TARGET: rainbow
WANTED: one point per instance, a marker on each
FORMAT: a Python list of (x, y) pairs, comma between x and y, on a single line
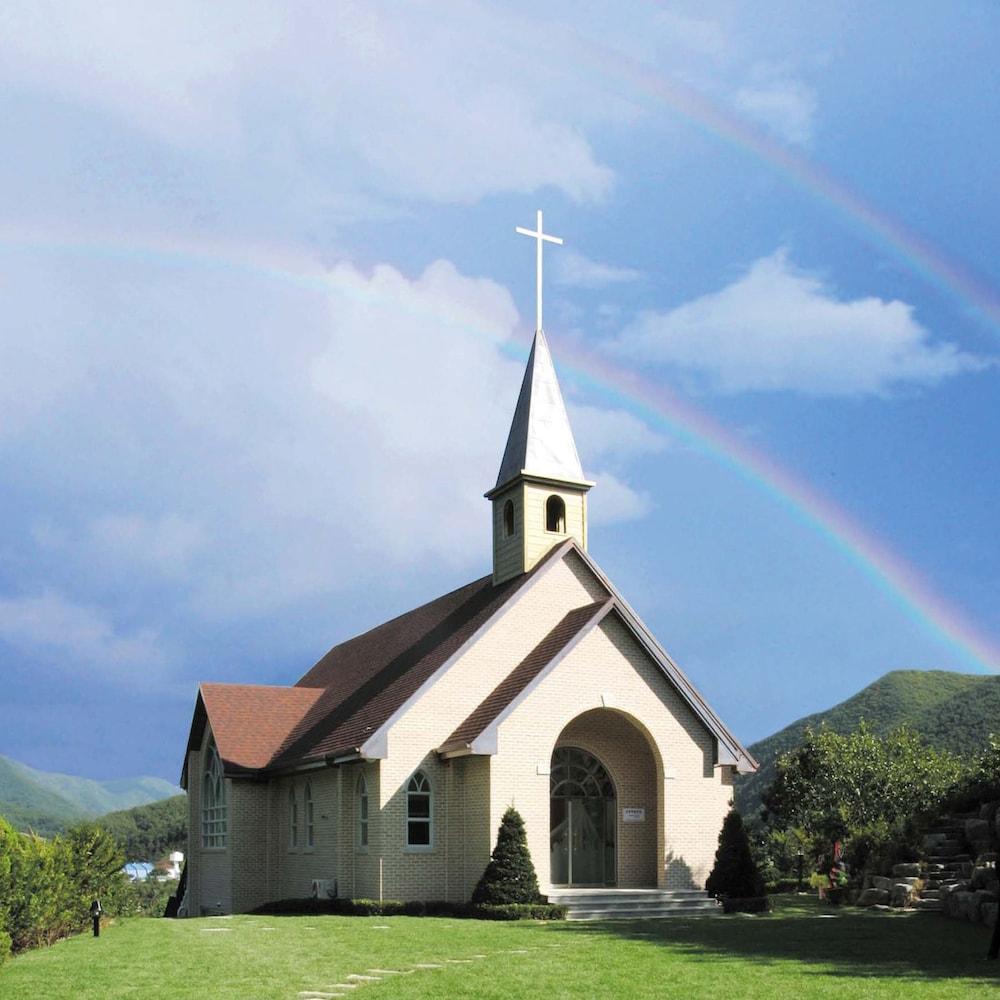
[(712, 118), (901, 582)]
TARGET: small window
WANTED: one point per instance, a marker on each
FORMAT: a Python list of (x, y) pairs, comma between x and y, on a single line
[(508, 519), (362, 810), (555, 514), (213, 800), (418, 811), (310, 817), (293, 818)]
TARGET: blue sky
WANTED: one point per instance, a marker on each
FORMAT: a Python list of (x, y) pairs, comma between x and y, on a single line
[(263, 316)]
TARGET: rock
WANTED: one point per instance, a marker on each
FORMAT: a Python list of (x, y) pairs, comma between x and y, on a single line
[(966, 906), (906, 870), (989, 914), (881, 882), (901, 894), (977, 829), (931, 840), (873, 897)]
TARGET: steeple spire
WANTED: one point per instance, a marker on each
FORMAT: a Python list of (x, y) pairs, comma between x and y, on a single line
[(540, 442)]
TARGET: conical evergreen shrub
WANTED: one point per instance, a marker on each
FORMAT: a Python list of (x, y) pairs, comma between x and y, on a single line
[(510, 875), (735, 874)]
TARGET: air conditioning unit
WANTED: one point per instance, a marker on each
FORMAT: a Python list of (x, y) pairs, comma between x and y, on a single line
[(324, 888)]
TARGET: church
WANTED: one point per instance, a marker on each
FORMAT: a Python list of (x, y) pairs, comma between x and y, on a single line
[(383, 772)]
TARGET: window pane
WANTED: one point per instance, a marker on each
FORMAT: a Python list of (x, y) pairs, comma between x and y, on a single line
[(419, 806), (418, 833)]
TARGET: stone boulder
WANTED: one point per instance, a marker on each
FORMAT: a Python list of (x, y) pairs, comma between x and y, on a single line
[(881, 882), (909, 870), (988, 911), (977, 829), (873, 897), (901, 895)]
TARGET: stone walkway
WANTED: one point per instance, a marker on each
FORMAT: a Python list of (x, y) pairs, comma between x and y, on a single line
[(356, 980)]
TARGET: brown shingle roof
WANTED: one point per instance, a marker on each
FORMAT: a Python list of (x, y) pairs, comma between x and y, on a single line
[(571, 628), (251, 721)]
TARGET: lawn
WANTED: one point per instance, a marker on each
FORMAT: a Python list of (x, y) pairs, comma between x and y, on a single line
[(799, 951)]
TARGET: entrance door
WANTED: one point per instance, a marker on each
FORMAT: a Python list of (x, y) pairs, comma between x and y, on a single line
[(582, 820)]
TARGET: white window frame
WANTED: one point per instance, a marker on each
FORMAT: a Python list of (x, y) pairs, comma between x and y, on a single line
[(309, 817), (414, 779), (362, 808), (214, 812), (293, 819)]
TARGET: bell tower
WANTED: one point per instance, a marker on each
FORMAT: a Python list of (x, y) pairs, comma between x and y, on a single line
[(540, 497)]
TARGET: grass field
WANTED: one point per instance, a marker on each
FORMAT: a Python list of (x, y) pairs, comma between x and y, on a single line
[(799, 951)]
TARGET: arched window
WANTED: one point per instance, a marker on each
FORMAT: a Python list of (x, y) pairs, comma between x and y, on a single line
[(293, 818), (508, 519), (555, 514), (310, 817), (362, 813), (418, 812), (213, 800)]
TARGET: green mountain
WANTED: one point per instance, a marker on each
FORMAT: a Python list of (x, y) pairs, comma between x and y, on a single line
[(46, 802), (951, 711), (152, 831)]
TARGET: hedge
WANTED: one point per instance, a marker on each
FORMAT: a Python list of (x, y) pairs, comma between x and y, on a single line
[(47, 886)]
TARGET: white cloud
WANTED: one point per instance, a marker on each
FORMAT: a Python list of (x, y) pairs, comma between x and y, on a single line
[(73, 635), (385, 98), (616, 501), (778, 328), (243, 444), (575, 270), (784, 105)]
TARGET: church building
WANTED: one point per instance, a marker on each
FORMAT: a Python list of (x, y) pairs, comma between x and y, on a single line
[(383, 772)]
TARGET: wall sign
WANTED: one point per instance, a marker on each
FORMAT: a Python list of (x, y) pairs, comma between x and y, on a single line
[(631, 814)]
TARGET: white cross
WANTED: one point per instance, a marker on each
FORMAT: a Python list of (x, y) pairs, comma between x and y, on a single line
[(540, 237)]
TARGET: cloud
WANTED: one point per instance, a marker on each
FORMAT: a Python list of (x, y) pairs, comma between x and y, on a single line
[(240, 444), (784, 105), (611, 435), (780, 328), (377, 98), (616, 501), (72, 635), (575, 270)]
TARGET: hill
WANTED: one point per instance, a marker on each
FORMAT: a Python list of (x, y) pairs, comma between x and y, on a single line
[(152, 831), (47, 802), (951, 711)]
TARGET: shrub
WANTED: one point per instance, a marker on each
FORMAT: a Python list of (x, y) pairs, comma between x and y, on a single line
[(510, 875), (735, 874), (518, 911), (413, 908)]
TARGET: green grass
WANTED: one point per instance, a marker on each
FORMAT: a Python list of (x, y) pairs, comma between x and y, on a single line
[(799, 951)]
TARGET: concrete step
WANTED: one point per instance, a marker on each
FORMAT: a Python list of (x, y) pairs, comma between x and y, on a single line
[(650, 911)]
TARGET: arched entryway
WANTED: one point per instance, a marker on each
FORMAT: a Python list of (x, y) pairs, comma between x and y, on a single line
[(582, 819), (605, 809)]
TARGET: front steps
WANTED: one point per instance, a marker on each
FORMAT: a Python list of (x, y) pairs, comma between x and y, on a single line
[(633, 904)]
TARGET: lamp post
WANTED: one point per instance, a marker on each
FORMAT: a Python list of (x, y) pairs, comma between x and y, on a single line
[(800, 856), (95, 915)]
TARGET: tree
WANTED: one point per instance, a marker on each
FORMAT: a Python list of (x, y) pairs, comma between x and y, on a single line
[(510, 875), (735, 873), (834, 786)]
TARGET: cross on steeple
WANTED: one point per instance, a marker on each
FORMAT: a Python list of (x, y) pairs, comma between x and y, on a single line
[(539, 237)]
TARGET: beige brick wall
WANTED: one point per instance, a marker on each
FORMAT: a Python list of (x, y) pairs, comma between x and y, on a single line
[(609, 669), (209, 869)]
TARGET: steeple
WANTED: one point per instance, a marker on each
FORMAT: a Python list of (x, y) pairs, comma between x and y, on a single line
[(540, 496), (540, 441)]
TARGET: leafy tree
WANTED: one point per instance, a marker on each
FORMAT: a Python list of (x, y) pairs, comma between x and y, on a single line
[(149, 832), (834, 785), (735, 872), (510, 876)]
